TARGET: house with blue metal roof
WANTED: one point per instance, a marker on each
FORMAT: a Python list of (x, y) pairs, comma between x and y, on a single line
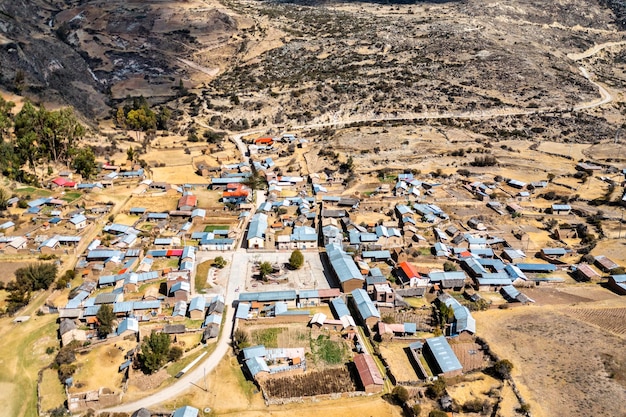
[(303, 237), (365, 308), (243, 311), (127, 326), (180, 309), (344, 268), (452, 279), (186, 411), (441, 358), (256, 231), (463, 320), (536, 268), (197, 307), (561, 209)]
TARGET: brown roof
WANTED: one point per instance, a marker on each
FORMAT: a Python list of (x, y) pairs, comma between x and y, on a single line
[(188, 200), (331, 292), (367, 369)]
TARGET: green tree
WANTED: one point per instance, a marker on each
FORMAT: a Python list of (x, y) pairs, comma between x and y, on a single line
[(36, 277), (437, 388), (417, 410), (265, 269), (254, 181), (4, 199), (154, 351), (175, 354), (219, 262), (85, 162), (296, 260), (6, 118), (105, 317), (449, 266), (401, 394), (130, 154)]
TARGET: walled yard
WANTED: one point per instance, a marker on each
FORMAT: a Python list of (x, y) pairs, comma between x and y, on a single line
[(469, 353), (397, 356), (327, 381)]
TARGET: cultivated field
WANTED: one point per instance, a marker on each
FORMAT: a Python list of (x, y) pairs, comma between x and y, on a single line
[(327, 381), (609, 319)]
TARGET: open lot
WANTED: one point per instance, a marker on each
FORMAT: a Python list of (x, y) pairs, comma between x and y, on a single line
[(311, 275), (562, 365), (396, 355), (99, 367)]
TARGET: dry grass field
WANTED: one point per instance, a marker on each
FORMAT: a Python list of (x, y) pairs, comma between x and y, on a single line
[(563, 366), (395, 353), (99, 367), (51, 390), (9, 268)]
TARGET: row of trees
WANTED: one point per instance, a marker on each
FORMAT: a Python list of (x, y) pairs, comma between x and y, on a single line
[(27, 280), (35, 137)]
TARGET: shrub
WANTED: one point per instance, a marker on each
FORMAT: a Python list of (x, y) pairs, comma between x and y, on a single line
[(175, 354), (401, 394), (503, 368), (296, 260), (449, 266)]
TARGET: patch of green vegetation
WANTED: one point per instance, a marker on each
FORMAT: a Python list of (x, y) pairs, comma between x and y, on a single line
[(328, 350), (425, 365), (266, 337), (424, 251), (212, 227), (71, 196), (33, 192), (202, 273)]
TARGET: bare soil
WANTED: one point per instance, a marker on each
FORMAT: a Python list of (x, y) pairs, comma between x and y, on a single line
[(557, 371)]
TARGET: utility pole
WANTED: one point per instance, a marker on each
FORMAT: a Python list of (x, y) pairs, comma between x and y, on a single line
[(619, 235)]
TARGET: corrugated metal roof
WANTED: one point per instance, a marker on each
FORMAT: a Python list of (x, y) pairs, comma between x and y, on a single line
[(537, 267), (342, 264), (243, 309), (339, 308), (197, 303), (444, 357), (364, 304)]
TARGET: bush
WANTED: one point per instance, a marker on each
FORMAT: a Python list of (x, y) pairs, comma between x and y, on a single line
[(296, 260), (175, 354), (417, 410), (219, 262), (400, 394), (503, 368), (449, 266), (437, 388), (437, 413)]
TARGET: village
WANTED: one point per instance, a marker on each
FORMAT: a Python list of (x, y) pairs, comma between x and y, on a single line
[(381, 302)]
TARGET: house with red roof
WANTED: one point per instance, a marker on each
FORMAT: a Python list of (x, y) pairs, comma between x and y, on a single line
[(187, 202), (264, 141), (407, 274), (63, 182)]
